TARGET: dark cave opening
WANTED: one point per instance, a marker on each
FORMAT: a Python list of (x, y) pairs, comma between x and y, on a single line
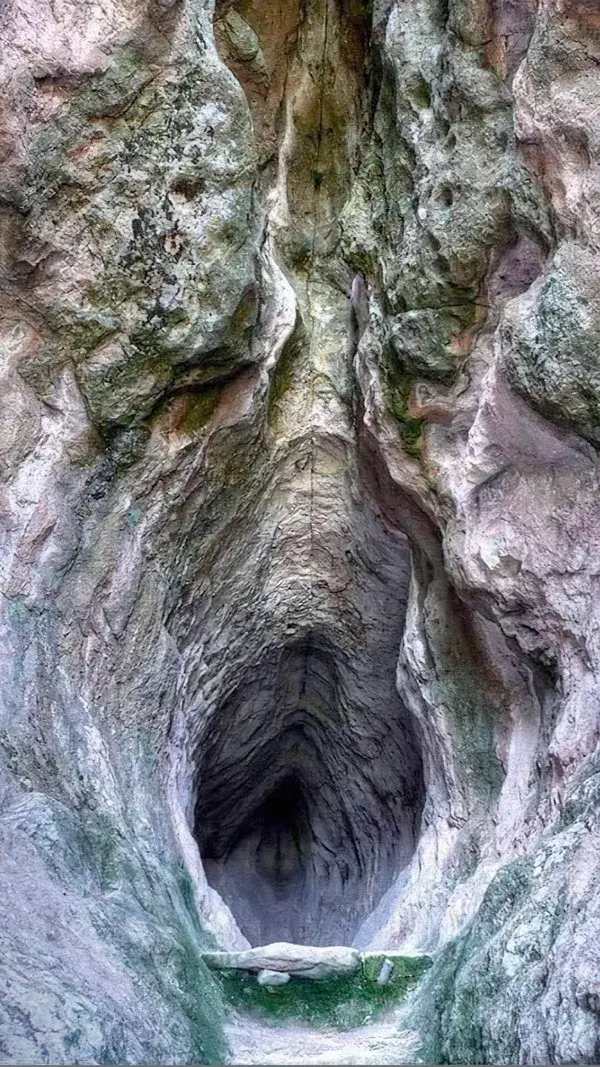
[(282, 825), (277, 835), (310, 791)]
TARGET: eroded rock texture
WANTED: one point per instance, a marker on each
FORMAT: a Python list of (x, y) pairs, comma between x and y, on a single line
[(300, 411)]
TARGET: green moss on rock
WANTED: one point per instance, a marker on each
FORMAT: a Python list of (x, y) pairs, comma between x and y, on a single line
[(201, 407), (397, 386), (468, 980), (473, 713), (343, 1002)]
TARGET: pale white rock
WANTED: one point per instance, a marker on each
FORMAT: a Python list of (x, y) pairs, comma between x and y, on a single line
[(299, 961), (386, 969), (272, 978)]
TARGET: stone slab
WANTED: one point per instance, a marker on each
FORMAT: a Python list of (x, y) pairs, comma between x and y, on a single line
[(300, 961)]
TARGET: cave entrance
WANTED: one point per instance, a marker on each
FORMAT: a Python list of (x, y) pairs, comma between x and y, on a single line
[(262, 869), (309, 782), (310, 790)]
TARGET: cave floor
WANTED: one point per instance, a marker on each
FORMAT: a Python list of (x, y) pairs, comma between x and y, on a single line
[(381, 1042), (343, 1015)]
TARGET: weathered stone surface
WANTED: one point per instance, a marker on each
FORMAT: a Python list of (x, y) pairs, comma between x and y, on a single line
[(272, 978), (551, 341), (299, 515), (302, 961)]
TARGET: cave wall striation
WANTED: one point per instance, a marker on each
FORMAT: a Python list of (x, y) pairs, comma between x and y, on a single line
[(299, 513)]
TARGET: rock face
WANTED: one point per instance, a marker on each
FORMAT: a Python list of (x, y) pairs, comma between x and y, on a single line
[(300, 529)]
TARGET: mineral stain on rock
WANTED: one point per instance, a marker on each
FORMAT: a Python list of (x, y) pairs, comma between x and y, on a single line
[(300, 531)]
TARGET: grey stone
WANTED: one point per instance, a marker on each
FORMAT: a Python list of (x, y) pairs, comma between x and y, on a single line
[(385, 973), (272, 978), (301, 961)]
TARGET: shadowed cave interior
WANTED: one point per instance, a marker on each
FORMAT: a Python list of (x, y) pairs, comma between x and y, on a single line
[(310, 795)]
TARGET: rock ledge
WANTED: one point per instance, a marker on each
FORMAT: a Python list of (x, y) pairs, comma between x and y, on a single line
[(301, 961), (304, 961)]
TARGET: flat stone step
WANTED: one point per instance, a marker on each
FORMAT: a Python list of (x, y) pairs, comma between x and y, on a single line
[(317, 962), (300, 961)]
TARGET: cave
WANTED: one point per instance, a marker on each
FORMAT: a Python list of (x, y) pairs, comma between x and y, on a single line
[(310, 794)]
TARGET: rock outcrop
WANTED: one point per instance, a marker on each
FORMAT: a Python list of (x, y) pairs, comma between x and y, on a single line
[(300, 531)]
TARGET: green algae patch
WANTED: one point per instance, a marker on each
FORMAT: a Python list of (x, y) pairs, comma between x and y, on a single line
[(468, 980), (342, 1002), (397, 385)]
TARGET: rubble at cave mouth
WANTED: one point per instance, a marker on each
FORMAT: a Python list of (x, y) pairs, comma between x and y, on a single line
[(309, 798)]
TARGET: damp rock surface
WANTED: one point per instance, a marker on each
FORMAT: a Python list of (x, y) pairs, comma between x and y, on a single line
[(299, 522)]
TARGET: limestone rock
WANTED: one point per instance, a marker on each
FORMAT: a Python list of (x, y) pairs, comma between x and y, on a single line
[(551, 340), (299, 513), (272, 978), (301, 961)]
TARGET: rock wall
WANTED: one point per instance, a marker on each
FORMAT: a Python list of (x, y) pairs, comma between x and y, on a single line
[(299, 494)]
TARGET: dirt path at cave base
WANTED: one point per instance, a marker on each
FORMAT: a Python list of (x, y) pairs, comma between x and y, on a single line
[(382, 1042)]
